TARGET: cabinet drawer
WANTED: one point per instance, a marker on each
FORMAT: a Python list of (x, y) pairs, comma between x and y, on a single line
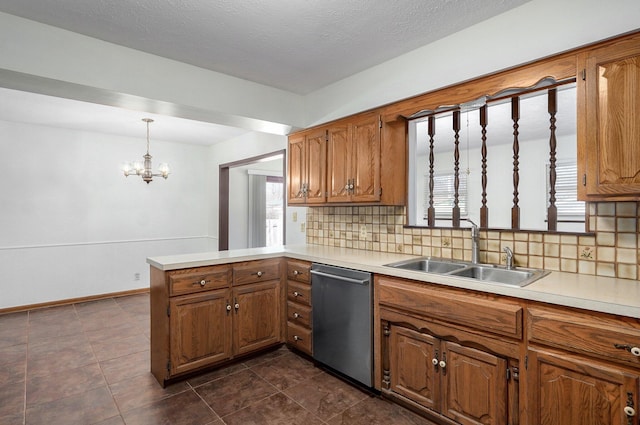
[(299, 314), (595, 335), (299, 270), (474, 311), (299, 337), (256, 271), (189, 281), (299, 293)]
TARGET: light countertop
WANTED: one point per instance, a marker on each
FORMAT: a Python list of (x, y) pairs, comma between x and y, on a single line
[(603, 294)]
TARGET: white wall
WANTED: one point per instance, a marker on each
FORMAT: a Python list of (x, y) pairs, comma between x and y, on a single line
[(72, 225)]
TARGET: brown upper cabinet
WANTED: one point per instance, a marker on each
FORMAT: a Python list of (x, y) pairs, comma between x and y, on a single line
[(307, 167), (609, 121), (342, 162), (354, 160)]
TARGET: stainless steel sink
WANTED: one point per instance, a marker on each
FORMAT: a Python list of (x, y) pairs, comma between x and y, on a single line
[(428, 265), (478, 272), (516, 277)]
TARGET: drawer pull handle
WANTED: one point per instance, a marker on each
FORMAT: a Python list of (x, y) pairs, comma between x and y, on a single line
[(259, 274), (296, 272), (297, 338), (296, 315), (202, 282), (629, 411), (296, 294), (633, 350)]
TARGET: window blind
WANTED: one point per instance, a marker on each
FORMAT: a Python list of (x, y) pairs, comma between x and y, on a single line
[(443, 191), (566, 190)]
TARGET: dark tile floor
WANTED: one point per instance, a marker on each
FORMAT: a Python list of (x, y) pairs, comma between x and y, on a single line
[(88, 363)]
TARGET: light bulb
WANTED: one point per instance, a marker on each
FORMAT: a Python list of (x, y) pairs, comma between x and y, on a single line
[(164, 169), (126, 168)]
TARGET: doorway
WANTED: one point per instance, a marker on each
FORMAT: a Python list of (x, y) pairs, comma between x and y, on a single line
[(250, 189)]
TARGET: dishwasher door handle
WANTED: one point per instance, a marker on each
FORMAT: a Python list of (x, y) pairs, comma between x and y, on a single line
[(342, 278)]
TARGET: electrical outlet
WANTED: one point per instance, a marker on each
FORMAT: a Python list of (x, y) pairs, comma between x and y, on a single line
[(136, 276), (295, 217), (363, 232), (303, 227)]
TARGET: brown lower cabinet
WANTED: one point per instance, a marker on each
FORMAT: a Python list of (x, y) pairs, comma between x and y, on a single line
[(567, 389), (581, 367), (204, 316), (457, 356), (462, 383), (442, 352), (465, 357)]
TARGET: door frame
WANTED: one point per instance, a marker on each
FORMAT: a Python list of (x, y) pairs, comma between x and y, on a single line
[(223, 194)]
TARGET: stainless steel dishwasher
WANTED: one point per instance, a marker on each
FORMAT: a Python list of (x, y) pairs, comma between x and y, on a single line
[(342, 321)]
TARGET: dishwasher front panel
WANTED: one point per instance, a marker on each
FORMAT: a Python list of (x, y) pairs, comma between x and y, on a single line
[(342, 321)]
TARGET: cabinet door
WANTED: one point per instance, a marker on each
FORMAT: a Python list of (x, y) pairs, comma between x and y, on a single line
[(566, 389), (257, 320), (297, 169), (200, 329), (613, 120), (339, 164), (316, 167), (365, 135), (474, 386), (413, 374)]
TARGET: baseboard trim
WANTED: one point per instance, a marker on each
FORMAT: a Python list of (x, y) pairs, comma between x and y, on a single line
[(73, 301)]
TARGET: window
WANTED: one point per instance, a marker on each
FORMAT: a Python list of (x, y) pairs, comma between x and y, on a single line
[(443, 190), (569, 208), (500, 147)]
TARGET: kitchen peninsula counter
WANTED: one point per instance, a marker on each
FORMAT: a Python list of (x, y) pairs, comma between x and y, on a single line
[(597, 293)]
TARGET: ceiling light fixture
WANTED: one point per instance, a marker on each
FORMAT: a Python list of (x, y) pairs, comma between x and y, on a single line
[(143, 169)]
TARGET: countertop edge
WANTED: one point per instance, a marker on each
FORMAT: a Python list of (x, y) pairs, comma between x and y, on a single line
[(548, 290)]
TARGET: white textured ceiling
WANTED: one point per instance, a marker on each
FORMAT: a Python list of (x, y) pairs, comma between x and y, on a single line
[(295, 45)]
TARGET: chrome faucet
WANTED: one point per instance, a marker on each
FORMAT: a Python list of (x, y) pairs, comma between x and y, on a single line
[(474, 242), (509, 253)]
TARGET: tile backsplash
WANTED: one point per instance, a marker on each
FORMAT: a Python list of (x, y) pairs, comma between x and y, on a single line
[(611, 248)]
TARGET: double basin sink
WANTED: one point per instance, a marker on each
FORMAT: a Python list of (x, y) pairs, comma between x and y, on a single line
[(479, 272)]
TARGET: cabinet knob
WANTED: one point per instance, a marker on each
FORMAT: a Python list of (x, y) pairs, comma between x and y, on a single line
[(633, 350), (259, 274), (443, 364), (296, 272), (228, 307), (296, 315), (434, 361), (296, 294), (346, 186), (203, 282), (297, 338), (237, 306), (629, 411)]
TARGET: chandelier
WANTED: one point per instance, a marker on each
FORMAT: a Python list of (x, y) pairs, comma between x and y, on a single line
[(143, 168)]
